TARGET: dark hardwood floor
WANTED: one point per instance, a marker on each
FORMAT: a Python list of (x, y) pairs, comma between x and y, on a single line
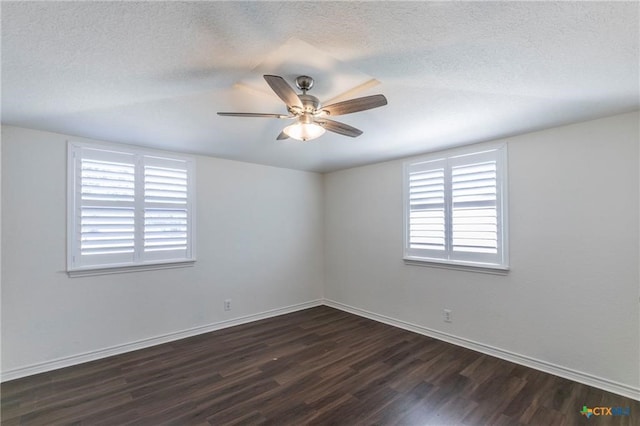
[(319, 366)]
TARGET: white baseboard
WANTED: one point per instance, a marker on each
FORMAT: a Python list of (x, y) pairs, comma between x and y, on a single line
[(547, 367), (145, 343)]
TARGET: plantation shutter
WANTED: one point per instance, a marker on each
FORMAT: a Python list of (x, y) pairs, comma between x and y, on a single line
[(128, 208), (475, 214), (455, 209), (167, 209), (105, 213), (427, 209)]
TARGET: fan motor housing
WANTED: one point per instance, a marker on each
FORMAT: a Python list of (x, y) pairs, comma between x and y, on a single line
[(310, 103)]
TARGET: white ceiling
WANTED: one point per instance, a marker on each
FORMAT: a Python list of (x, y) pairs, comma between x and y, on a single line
[(156, 73)]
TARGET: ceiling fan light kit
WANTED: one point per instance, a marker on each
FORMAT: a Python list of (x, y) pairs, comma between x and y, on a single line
[(304, 130), (310, 115)]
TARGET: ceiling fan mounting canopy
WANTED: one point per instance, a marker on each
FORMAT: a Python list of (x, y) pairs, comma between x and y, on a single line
[(304, 82), (310, 115)]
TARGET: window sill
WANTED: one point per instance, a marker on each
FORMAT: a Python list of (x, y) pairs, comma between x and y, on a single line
[(458, 266), (88, 272)]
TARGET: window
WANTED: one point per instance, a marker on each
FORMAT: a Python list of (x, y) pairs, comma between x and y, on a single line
[(128, 207), (456, 209)]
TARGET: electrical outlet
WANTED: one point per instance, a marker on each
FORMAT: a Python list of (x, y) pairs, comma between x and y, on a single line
[(446, 315), (227, 304)]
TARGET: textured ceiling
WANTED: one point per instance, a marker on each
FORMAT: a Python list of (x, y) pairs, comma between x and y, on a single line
[(155, 73)]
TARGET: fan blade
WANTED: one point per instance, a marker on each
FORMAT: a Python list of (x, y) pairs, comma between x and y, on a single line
[(355, 105), (282, 136), (340, 128), (351, 93), (251, 114), (283, 90)]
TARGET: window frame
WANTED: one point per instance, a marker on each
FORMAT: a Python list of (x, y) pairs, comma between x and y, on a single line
[(139, 261), (448, 159)]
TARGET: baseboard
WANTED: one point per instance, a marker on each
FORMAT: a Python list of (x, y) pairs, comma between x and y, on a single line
[(547, 367), (145, 343)]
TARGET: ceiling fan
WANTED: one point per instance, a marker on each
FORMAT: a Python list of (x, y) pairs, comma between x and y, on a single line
[(311, 117)]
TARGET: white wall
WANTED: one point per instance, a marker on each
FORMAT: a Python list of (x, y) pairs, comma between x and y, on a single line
[(259, 243), (571, 298), (0, 250)]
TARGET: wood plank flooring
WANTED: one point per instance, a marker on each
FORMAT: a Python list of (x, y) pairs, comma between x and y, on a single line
[(319, 366)]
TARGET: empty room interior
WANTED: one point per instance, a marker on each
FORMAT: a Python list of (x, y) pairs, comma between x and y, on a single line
[(323, 213)]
